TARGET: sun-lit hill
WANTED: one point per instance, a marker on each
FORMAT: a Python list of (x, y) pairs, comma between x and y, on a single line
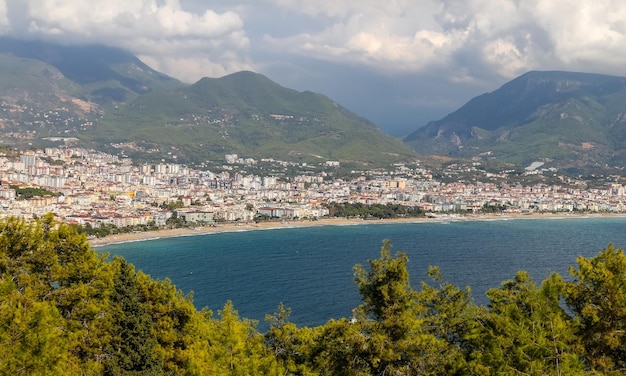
[(110, 100), (248, 114), (48, 89), (572, 120)]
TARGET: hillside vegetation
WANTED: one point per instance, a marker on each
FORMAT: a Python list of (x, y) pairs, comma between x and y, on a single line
[(64, 310), (51, 90), (245, 113), (103, 75), (107, 99), (566, 119)]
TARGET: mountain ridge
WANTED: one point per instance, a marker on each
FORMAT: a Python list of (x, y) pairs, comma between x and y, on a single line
[(568, 119), (109, 100), (247, 113), (90, 64)]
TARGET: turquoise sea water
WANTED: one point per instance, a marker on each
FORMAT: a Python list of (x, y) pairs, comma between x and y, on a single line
[(310, 269)]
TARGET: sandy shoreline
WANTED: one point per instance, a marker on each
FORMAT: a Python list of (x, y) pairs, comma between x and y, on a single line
[(233, 227)]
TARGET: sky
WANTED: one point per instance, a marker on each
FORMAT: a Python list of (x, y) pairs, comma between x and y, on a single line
[(399, 63)]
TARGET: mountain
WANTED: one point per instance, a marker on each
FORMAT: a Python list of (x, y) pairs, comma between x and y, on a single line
[(48, 89), (110, 100), (106, 75), (247, 114), (564, 119)]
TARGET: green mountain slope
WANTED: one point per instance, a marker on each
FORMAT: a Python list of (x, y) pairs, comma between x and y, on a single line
[(244, 113), (566, 119), (109, 99), (53, 90), (106, 75), (37, 100)]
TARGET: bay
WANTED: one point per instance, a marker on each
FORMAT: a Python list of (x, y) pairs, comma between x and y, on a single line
[(310, 269)]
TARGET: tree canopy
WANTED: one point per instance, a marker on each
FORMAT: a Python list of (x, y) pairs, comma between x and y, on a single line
[(65, 310)]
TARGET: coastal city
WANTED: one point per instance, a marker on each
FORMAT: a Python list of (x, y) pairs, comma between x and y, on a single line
[(95, 189)]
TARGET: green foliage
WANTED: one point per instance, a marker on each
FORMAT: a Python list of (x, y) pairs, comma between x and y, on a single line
[(451, 316), (172, 205), (106, 229), (496, 208), (247, 114), (132, 327), (241, 349), (290, 345), (32, 341), (388, 334), (386, 312), (597, 295), (385, 287), (377, 211), (571, 119), (64, 310), (27, 193), (527, 332), (439, 330)]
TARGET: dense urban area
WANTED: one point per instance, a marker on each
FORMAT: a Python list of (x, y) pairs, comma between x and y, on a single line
[(95, 189)]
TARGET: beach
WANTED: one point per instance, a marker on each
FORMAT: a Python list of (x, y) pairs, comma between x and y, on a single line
[(232, 227)]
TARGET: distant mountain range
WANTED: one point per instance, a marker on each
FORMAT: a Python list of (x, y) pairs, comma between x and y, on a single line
[(248, 114), (110, 100), (568, 120), (100, 74)]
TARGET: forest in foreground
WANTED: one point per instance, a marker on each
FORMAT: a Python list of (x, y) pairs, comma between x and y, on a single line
[(65, 310)]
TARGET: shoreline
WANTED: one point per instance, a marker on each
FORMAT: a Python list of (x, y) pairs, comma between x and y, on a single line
[(238, 227), (252, 226)]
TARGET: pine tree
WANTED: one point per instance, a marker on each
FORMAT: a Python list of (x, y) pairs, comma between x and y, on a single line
[(527, 331), (133, 342), (32, 340), (597, 296)]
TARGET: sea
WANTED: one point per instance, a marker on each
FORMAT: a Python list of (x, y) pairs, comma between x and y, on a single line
[(310, 269)]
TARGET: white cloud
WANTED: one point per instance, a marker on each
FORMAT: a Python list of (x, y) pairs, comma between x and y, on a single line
[(345, 8), (161, 31), (187, 68), (131, 18), (460, 40), (506, 57), (393, 36), (586, 31), (470, 36), (4, 16), (516, 36), (399, 37)]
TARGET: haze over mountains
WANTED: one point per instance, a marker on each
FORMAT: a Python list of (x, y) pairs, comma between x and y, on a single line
[(101, 74)]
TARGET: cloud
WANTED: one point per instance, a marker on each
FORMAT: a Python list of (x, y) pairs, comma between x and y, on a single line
[(344, 8), (187, 68), (459, 39), (4, 16), (397, 38), (100, 20), (439, 49), (161, 32), (507, 37), (589, 31)]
